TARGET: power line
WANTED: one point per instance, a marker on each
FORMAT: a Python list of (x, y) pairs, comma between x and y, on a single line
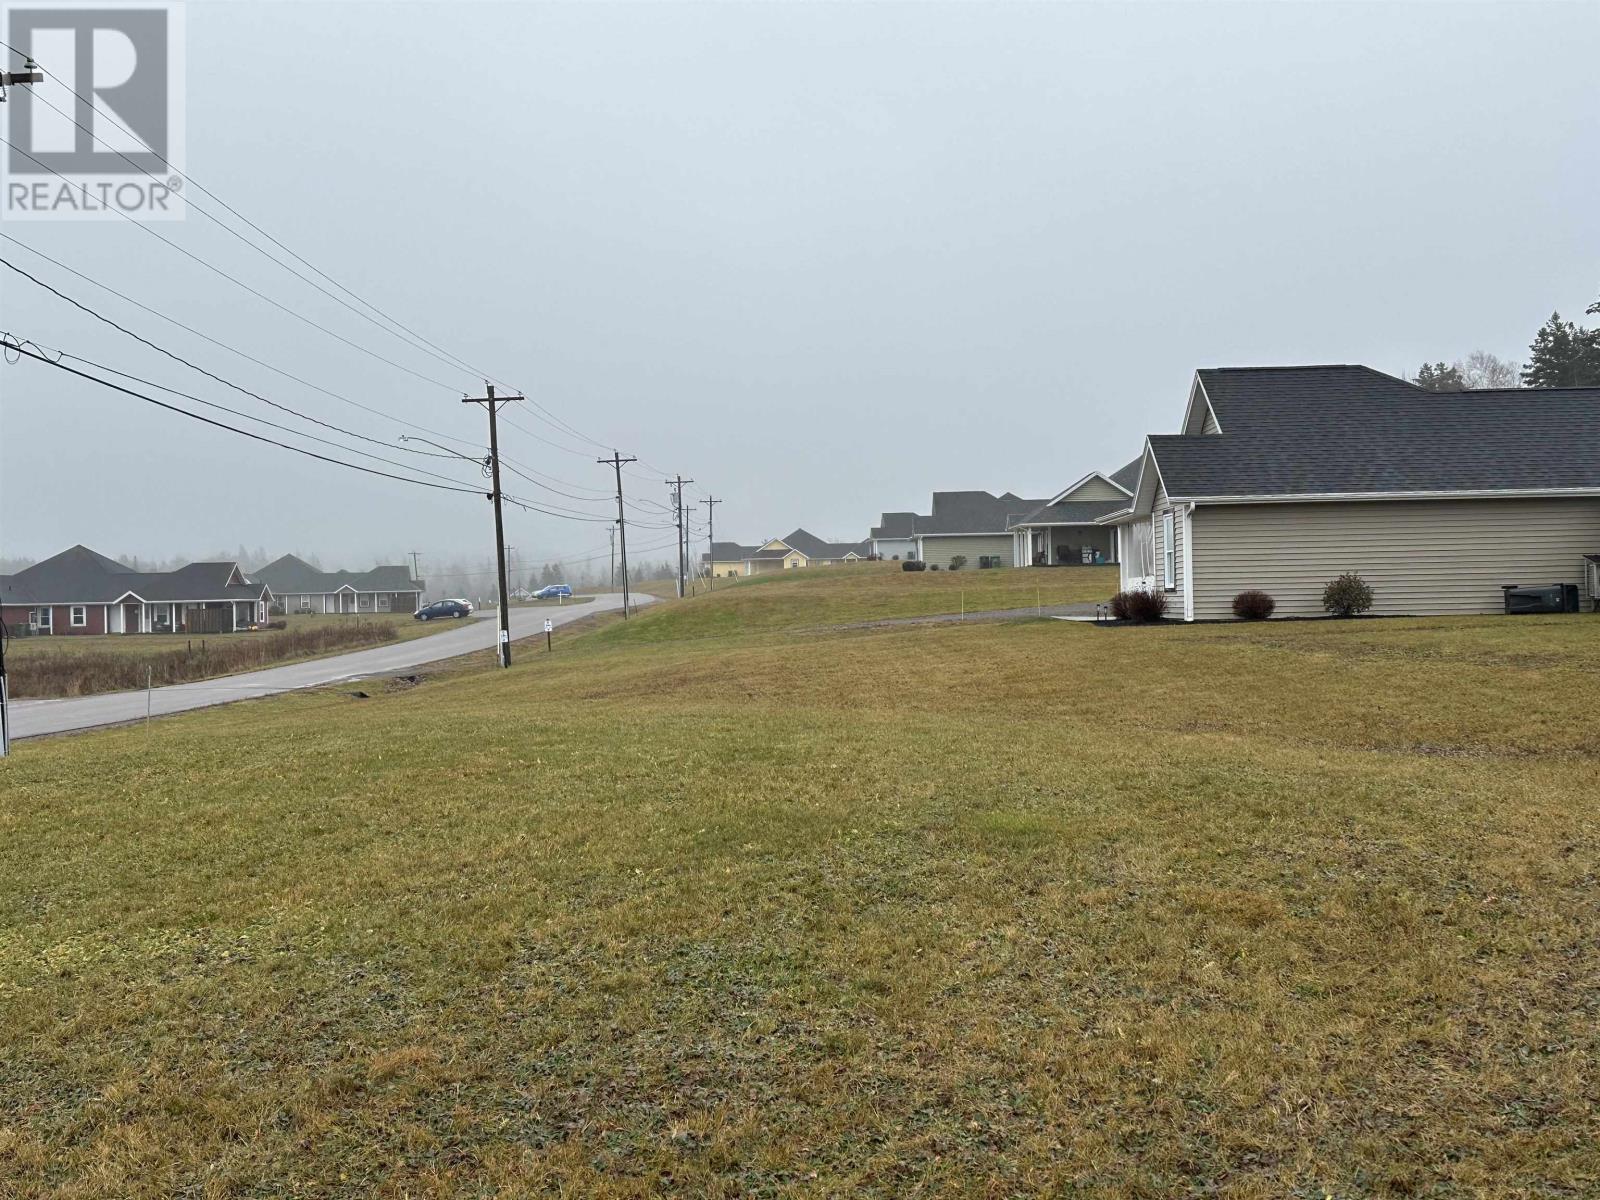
[(106, 383), (146, 227), (219, 344)]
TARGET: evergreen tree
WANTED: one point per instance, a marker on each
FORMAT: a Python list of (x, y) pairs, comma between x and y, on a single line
[(1563, 354), (1440, 377)]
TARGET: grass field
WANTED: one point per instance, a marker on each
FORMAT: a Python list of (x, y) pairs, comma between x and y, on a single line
[(822, 596), (1284, 910), (83, 665)]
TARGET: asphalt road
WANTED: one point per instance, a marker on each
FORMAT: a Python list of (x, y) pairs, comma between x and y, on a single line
[(34, 718)]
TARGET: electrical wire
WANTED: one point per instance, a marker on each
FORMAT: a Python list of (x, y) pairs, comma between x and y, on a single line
[(116, 387)]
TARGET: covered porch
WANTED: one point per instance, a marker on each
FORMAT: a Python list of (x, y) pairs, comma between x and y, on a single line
[(131, 614), (1066, 545)]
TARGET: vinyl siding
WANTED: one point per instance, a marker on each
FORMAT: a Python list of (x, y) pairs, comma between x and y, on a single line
[(1158, 541), (938, 551), (1095, 489), (1210, 424), (1421, 557)]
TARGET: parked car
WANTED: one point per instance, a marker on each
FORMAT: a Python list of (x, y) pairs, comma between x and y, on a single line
[(466, 604), (442, 608), (551, 590)]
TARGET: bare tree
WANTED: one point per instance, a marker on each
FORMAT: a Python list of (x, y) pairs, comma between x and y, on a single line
[(1484, 370)]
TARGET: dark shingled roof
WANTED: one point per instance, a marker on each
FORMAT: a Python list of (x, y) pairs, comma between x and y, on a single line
[(81, 576), (896, 525), (289, 576), (975, 512), (1073, 512), (1128, 476), (1354, 430)]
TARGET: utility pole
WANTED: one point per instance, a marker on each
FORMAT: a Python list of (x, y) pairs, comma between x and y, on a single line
[(493, 404), (615, 461), (677, 494), (711, 503), (613, 576), (416, 569)]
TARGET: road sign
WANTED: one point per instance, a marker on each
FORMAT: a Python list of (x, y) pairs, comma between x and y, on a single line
[(548, 624)]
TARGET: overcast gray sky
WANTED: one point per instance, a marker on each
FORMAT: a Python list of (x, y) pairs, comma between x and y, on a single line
[(823, 258)]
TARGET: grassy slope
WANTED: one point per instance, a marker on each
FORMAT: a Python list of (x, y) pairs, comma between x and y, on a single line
[(820, 596), (1259, 911)]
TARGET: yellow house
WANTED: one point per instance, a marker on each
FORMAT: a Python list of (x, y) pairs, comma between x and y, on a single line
[(799, 549)]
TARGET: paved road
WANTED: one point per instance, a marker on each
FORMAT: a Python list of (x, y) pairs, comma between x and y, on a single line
[(33, 718)]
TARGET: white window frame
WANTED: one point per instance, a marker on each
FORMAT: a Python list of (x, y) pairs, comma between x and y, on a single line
[(1169, 552), (78, 616), (46, 619)]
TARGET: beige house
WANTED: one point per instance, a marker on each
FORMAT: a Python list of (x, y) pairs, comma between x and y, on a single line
[(1283, 478), (799, 549)]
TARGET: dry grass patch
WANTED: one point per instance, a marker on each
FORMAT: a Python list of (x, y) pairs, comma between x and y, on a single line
[(994, 910)]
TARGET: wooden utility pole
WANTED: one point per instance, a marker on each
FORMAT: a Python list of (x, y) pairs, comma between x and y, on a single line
[(711, 503), (677, 495), (613, 575), (615, 461), (493, 403)]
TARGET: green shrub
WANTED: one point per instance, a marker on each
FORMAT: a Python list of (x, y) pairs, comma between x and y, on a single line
[(957, 561), (1347, 596)]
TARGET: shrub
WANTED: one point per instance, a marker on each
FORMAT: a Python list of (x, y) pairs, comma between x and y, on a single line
[(957, 561), (1347, 596), (933, 567), (1253, 605), (912, 564), (1139, 605)]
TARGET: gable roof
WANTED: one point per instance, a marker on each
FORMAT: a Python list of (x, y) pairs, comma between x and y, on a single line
[(1332, 431), (80, 575), (896, 525), (975, 512), (1127, 477), (1073, 512), (289, 575)]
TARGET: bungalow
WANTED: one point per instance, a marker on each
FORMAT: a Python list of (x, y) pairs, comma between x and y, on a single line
[(798, 549), (301, 588), (977, 526), (81, 592), (1063, 531), (1282, 478), (895, 536)]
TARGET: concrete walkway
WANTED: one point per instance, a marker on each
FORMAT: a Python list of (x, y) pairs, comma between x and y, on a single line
[(34, 718), (1069, 612)]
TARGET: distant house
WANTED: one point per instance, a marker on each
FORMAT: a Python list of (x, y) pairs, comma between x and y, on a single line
[(795, 550), (81, 592), (977, 526), (1282, 478), (1064, 532), (895, 536), (301, 588)]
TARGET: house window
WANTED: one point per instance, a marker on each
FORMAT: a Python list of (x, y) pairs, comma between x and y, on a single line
[(44, 619), (988, 561), (80, 616), (1169, 552)]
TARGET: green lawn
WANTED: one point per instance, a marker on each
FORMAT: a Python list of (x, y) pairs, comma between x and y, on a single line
[(821, 596), (1284, 910)]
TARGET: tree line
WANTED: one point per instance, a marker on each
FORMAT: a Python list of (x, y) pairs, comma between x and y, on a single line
[(1563, 354)]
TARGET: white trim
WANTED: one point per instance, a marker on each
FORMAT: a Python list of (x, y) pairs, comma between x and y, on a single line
[(73, 610), (1342, 497), (1091, 475), (1189, 429), (1188, 563), (1169, 552)]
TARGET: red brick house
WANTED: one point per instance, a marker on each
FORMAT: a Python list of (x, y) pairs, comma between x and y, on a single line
[(81, 592)]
